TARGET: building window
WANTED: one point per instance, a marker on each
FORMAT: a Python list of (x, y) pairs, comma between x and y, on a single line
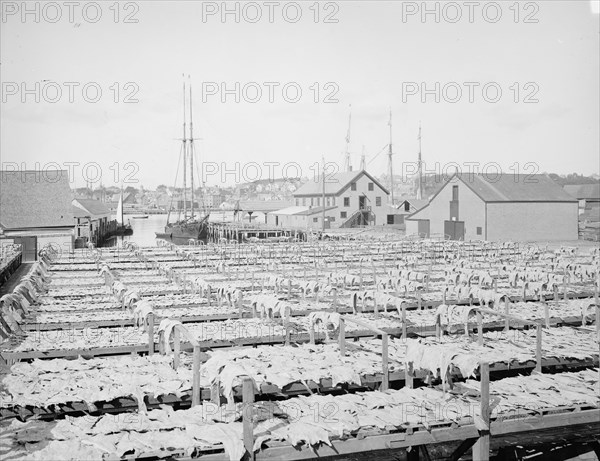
[(297, 202), (455, 193), (370, 186), (304, 201), (333, 201), (479, 230), (318, 201), (353, 186), (390, 219), (346, 201), (328, 201), (406, 206), (377, 201), (315, 219), (312, 201), (343, 214)]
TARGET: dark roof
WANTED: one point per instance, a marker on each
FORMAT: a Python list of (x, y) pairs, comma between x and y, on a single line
[(416, 203), (334, 183), (93, 207), (584, 191), (515, 188), (314, 210), (509, 188), (35, 199)]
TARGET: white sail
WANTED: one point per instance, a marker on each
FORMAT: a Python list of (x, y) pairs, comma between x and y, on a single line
[(120, 220)]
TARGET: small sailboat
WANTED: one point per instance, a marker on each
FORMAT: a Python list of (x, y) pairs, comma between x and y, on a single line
[(191, 225), (122, 228), (143, 216)]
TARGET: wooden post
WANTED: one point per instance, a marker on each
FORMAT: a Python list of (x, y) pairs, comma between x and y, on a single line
[(547, 315), (404, 336), (409, 376), (196, 376), (419, 302), (507, 312), (565, 284), (289, 289), (480, 328), (538, 349), (176, 347), (150, 333), (384, 357), (311, 332), (555, 293), (342, 337), (247, 416), (481, 448)]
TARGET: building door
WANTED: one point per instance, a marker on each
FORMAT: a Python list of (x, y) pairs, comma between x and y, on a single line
[(29, 245), (361, 202), (423, 228), (455, 230)]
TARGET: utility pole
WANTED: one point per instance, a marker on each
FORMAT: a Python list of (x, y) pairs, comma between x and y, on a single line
[(390, 163)]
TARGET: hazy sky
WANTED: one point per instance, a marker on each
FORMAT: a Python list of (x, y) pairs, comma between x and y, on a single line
[(376, 56)]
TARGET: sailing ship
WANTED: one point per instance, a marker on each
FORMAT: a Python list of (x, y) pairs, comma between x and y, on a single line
[(122, 228), (194, 222)]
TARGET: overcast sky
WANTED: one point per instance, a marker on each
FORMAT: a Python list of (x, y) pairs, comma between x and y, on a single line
[(376, 56)]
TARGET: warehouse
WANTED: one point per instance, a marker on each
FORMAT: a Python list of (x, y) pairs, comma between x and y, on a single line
[(35, 210), (361, 199), (499, 207)]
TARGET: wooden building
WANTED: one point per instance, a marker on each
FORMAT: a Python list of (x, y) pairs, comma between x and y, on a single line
[(36, 210), (498, 207), (360, 199), (92, 218)]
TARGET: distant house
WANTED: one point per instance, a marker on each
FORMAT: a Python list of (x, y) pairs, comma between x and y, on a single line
[(498, 207), (36, 210), (91, 219), (359, 198), (397, 214)]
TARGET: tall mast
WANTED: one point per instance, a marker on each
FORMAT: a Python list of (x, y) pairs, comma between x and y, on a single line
[(184, 160), (191, 152), (347, 163), (323, 196), (420, 166), (363, 165), (390, 162)]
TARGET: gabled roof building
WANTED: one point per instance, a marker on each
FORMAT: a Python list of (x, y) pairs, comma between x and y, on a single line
[(498, 207), (35, 210)]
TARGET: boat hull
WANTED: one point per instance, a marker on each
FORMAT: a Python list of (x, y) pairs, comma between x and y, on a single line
[(181, 233)]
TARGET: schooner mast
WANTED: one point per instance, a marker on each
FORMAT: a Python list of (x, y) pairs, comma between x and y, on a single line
[(420, 169), (390, 164), (184, 139), (191, 153), (347, 162)]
